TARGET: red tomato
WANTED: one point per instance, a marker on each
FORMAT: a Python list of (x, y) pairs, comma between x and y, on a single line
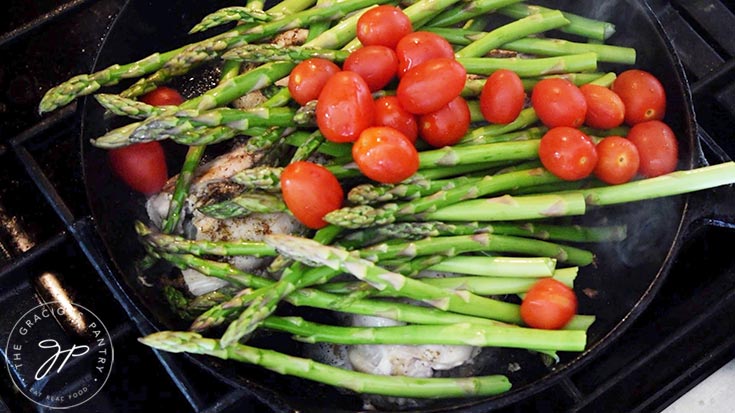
[(617, 160), (389, 112), (558, 102), (162, 96), (310, 192), (549, 304), (142, 166), (383, 25), (643, 95), (418, 47), (605, 109), (657, 147), (308, 78), (376, 64), (447, 125), (568, 153), (345, 107), (502, 97), (385, 155), (431, 85)]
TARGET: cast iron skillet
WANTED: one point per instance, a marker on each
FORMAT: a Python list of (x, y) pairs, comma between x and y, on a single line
[(627, 276)]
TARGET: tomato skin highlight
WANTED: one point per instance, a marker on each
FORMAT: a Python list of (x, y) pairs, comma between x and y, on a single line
[(142, 166), (384, 26), (643, 95), (307, 79), (558, 102), (549, 305), (310, 191), (345, 107), (617, 160), (605, 109), (429, 86), (376, 64), (389, 112), (163, 96), (418, 47), (385, 155), (501, 99), (657, 147), (568, 153), (447, 125)]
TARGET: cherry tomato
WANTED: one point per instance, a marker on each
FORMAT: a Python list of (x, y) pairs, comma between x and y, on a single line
[(162, 96), (310, 192), (549, 304), (643, 95), (617, 160), (383, 25), (502, 97), (385, 155), (657, 147), (605, 109), (389, 112), (308, 78), (568, 153), (142, 166), (418, 47), (345, 107), (447, 125), (376, 64), (558, 102), (431, 85)]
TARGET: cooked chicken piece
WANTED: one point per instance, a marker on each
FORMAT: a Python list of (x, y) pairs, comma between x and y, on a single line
[(211, 183)]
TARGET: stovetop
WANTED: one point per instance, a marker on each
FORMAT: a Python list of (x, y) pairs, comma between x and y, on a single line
[(47, 231)]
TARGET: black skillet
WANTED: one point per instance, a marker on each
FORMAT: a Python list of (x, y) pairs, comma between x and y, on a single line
[(626, 278)]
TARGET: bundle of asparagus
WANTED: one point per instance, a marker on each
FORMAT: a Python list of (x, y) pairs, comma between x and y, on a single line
[(461, 213)]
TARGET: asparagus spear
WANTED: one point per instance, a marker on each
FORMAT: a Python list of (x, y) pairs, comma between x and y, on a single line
[(364, 215), (454, 245), (582, 62), (231, 14), (534, 23), (459, 334), (313, 253), (467, 11), (261, 53), (579, 25), (129, 107), (376, 193), (399, 386)]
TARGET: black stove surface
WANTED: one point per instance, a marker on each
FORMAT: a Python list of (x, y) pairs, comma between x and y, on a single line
[(46, 231)]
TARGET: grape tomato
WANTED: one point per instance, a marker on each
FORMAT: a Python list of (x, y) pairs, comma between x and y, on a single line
[(605, 109), (657, 147), (502, 97), (389, 112), (163, 96), (418, 47), (142, 166), (376, 64), (549, 304), (568, 153), (643, 95), (310, 191), (308, 78), (447, 125), (431, 85), (558, 102), (385, 155), (384, 26), (345, 107), (617, 160)]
